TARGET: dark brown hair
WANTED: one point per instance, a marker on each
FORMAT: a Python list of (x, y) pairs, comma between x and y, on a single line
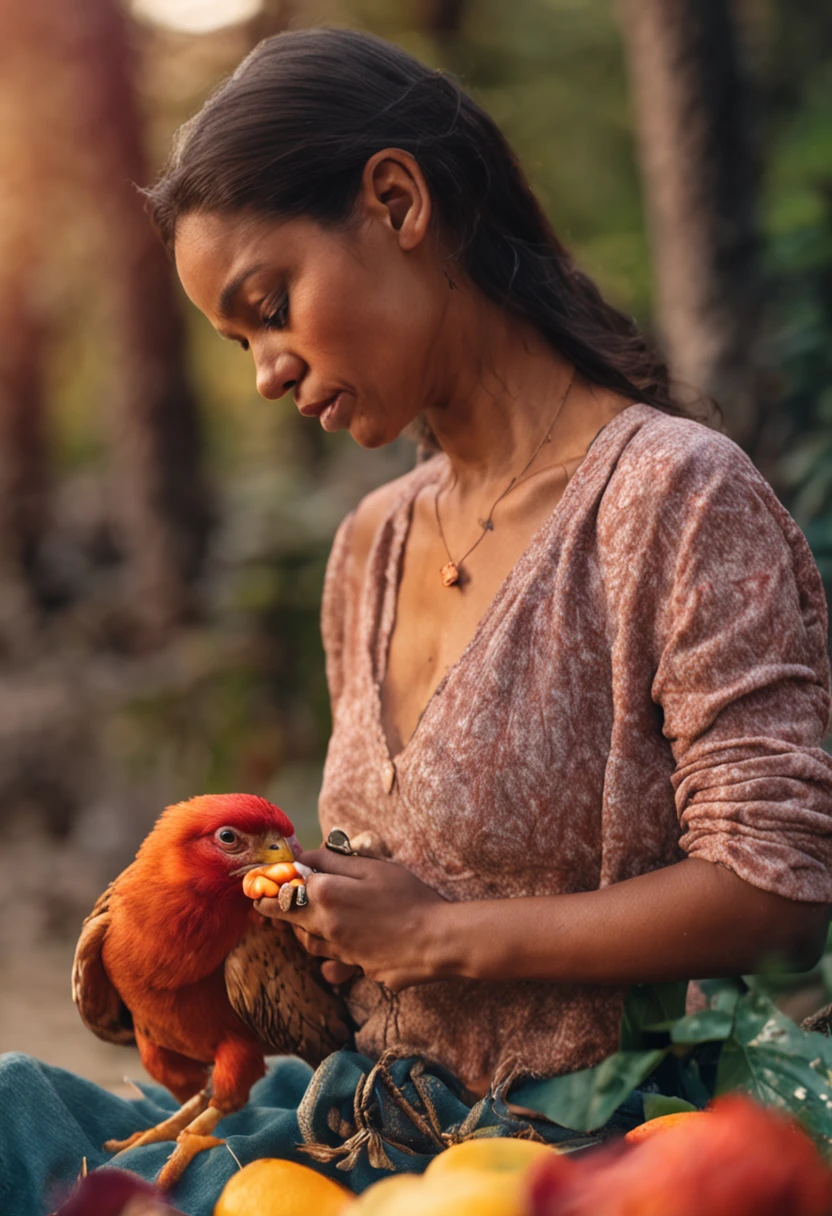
[(289, 134)]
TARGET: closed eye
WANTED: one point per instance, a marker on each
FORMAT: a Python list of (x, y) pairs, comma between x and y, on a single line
[(279, 318)]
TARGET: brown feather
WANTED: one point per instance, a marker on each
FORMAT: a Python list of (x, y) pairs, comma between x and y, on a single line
[(275, 987), (99, 1004)]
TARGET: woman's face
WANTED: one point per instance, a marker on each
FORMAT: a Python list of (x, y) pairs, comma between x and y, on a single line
[(349, 320)]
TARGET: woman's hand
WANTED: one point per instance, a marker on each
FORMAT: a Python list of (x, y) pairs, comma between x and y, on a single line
[(367, 914)]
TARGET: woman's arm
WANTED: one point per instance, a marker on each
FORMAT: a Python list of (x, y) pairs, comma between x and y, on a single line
[(690, 920)]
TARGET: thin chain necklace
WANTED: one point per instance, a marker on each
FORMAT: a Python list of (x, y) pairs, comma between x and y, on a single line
[(451, 571)]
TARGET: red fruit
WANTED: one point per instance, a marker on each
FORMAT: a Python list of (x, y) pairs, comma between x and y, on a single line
[(110, 1192), (741, 1161)]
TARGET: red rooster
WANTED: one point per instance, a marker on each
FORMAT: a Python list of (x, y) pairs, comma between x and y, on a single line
[(174, 956)]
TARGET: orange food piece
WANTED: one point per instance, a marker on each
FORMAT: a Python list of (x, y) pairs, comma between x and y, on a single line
[(655, 1127), (266, 881), (256, 885), (280, 872)]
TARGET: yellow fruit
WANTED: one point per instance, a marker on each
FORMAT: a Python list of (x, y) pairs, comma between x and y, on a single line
[(655, 1127), (468, 1193), (381, 1197), (492, 1154), (271, 1187)]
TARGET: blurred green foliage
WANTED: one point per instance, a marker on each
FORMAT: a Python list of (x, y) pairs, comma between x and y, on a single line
[(795, 95)]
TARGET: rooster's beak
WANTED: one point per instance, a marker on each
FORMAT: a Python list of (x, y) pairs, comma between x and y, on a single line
[(273, 851)]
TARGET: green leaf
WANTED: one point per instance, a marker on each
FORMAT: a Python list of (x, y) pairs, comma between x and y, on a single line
[(656, 1105), (707, 1026), (723, 994), (650, 1009), (825, 968), (585, 1100), (773, 1060)]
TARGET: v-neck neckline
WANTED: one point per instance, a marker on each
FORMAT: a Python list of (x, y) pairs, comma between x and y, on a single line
[(400, 518)]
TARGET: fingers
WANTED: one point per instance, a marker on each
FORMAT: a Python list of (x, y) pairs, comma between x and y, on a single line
[(310, 922), (327, 862), (307, 913), (370, 844)]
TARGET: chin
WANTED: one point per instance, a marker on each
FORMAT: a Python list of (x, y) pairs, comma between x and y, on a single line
[(372, 435)]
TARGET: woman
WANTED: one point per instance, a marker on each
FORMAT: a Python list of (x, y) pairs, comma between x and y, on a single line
[(577, 657)]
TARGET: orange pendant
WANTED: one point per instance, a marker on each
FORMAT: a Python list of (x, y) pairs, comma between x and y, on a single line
[(450, 574)]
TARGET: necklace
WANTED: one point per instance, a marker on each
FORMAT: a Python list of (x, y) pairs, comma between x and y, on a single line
[(451, 571)]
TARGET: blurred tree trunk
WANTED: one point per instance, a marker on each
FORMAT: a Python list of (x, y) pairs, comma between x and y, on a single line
[(23, 459), (24, 155), (700, 182), (23, 447), (160, 498), (442, 17)]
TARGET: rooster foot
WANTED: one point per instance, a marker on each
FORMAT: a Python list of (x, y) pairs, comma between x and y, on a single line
[(193, 1139), (169, 1129)]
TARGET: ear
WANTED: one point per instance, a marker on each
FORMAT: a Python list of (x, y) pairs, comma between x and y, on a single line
[(395, 192)]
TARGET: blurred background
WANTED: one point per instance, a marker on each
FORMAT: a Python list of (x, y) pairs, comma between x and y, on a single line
[(163, 530)]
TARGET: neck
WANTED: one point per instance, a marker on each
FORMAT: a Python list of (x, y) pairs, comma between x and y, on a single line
[(195, 929), (502, 388)]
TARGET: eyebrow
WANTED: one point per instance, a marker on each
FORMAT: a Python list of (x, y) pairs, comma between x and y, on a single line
[(225, 306)]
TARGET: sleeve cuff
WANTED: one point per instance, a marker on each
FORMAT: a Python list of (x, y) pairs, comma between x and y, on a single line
[(763, 808)]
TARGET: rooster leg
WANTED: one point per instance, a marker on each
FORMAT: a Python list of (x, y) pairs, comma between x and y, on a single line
[(193, 1139), (238, 1063), (167, 1130)]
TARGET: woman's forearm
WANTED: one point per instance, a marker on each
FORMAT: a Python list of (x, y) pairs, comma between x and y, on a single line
[(693, 919)]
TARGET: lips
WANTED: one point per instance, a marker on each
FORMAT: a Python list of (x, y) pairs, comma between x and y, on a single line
[(316, 408)]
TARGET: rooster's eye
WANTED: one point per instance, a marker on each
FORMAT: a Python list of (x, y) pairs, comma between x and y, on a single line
[(227, 837)]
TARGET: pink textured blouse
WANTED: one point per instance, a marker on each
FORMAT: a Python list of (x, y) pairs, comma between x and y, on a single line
[(650, 681)]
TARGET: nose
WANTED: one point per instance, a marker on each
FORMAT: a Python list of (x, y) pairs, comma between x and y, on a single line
[(276, 374)]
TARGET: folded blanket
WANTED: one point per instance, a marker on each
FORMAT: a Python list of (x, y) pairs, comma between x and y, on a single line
[(353, 1119)]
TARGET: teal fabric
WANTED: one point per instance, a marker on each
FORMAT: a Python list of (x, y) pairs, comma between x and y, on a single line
[(50, 1120)]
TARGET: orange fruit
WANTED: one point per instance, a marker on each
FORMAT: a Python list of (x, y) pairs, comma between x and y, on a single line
[(655, 1127), (271, 1187), (492, 1154)]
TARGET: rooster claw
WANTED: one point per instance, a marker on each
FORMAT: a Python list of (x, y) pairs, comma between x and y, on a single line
[(118, 1146), (188, 1146)]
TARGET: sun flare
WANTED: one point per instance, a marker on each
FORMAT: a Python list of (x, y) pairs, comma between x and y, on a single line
[(196, 16)]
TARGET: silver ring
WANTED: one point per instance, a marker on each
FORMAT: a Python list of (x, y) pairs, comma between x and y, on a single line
[(302, 897), (339, 842)]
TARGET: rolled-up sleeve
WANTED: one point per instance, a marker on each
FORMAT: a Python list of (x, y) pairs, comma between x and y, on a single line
[(742, 677)]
